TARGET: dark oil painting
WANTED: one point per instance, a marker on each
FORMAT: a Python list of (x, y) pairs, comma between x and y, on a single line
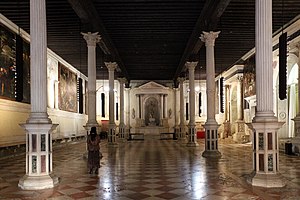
[(26, 72), (249, 77), (67, 89), (7, 63)]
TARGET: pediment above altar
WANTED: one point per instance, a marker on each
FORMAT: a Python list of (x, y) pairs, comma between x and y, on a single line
[(152, 87)]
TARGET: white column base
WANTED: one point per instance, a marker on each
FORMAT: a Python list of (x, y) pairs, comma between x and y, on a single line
[(296, 140), (122, 132), (296, 145), (211, 140), (38, 182), (266, 180), (112, 138), (192, 137), (192, 144), (239, 135), (181, 134), (211, 154)]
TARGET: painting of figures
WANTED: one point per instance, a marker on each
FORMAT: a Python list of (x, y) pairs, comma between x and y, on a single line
[(7, 63), (67, 89), (26, 72), (249, 78)]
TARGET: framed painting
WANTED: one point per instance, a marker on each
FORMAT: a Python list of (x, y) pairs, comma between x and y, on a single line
[(67, 95), (7, 63)]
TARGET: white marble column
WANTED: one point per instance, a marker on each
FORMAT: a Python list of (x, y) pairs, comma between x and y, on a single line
[(38, 126), (264, 125), (181, 135), (128, 110), (211, 125), (112, 140), (91, 39), (176, 126), (227, 126), (296, 140), (239, 135), (192, 137), (122, 124)]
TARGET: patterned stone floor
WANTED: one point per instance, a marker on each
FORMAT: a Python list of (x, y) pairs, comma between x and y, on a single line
[(152, 169)]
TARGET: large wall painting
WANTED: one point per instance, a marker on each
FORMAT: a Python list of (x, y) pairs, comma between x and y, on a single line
[(67, 89), (7, 63), (249, 77), (26, 72)]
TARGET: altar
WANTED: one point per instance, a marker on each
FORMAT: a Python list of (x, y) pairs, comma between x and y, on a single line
[(152, 112), (150, 130)]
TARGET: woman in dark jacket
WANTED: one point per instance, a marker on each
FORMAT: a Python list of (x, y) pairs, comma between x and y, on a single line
[(93, 142)]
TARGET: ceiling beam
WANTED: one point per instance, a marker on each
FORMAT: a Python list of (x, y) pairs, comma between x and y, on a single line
[(88, 14), (207, 21)]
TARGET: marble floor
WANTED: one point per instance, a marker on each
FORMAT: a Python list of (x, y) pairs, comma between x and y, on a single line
[(152, 169)]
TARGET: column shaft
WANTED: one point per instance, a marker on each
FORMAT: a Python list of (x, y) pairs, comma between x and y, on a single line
[(182, 124), (263, 43), (192, 138), (239, 100), (122, 124), (111, 66)]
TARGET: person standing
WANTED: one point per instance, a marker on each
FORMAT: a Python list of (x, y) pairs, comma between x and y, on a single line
[(93, 142)]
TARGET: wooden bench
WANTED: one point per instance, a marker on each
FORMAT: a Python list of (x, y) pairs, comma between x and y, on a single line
[(136, 136), (165, 136)]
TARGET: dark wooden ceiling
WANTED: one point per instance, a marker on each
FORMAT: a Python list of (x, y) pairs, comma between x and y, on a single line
[(151, 39)]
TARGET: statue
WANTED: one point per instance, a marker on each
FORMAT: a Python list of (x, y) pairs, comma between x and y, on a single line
[(151, 120)]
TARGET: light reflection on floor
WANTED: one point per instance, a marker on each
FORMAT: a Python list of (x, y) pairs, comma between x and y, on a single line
[(152, 169)]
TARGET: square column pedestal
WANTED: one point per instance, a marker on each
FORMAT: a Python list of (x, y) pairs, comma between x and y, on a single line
[(211, 141), (112, 139), (296, 140), (265, 155), (192, 137), (38, 157), (239, 135)]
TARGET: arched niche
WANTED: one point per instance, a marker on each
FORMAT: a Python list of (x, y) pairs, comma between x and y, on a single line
[(152, 112)]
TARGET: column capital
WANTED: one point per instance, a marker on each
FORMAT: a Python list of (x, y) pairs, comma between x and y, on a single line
[(122, 80), (111, 66), (191, 65), (91, 38), (181, 79), (209, 37)]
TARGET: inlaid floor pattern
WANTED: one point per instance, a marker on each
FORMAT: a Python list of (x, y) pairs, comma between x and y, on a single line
[(152, 169)]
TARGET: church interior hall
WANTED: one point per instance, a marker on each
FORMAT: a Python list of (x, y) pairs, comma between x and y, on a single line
[(193, 99)]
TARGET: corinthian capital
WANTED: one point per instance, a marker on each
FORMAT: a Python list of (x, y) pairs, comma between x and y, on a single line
[(91, 38), (180, 79), (209, 37), (111, 66), (191, 65), (122, 80)]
